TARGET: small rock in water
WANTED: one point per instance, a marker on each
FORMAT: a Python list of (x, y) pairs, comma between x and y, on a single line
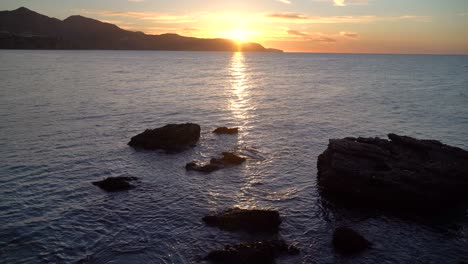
[(229, 158), (172, 137), (348, 241), (262, 252), (206, 168), (115, 184), (215, 164), (225, 130), (250, 220)]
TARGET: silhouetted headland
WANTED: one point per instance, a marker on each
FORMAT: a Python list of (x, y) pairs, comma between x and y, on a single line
[(26, 29)]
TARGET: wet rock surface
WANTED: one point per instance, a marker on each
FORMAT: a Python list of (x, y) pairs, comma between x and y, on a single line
[(262, 252), (347, 241), (172, 137), (225, 130), (115, 184), (402, 173), (206, 168), (250, 220), (228, 159)]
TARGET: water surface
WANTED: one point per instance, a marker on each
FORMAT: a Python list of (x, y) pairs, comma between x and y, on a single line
[(66, 117)]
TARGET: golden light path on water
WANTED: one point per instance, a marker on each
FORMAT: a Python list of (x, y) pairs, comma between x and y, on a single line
[(240, 86), (242, 108)]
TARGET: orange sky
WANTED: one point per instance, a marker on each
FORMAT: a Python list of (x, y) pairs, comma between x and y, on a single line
[(349, 26)]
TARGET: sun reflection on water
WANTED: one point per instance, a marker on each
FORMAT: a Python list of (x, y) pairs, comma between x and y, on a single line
[(239, 102), (242, 108)]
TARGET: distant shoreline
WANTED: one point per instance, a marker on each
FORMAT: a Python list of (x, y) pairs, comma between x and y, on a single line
[(285, 52)]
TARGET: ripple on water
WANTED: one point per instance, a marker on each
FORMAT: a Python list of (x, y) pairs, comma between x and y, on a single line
[(73, 127)]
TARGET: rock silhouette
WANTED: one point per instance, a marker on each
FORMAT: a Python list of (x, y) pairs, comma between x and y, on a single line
[(225, 130), (229, 159), (215, 164), (262, 252), (348, 241), (206, 168), (404, 173), (250, 220), (115, 184), (172, 137)]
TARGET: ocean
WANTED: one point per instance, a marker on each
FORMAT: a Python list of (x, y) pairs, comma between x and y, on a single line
[(66, 118)]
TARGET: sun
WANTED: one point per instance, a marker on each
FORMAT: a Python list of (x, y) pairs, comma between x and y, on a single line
[(239, 35)]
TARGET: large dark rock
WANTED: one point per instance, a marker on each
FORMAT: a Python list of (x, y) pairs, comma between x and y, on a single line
[(403, 173), (250, 220), (172, 137), (225, 130), (215, 164), (347, 241), (115, 184), (262, 252)]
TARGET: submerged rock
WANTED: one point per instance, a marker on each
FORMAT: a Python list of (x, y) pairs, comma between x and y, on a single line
[(115, 184), (225, 130), (229, 158), (215, 164), (348, 241), (206, 168), (403, 173), (262, 252), (250, 220), (172, 137)]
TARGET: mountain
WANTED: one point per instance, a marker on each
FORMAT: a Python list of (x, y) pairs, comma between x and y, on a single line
[(26, 29)]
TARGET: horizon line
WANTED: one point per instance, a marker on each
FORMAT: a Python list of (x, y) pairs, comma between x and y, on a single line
[(260, 52)]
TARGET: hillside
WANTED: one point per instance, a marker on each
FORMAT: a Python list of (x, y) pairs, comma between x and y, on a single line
[(26, 29)]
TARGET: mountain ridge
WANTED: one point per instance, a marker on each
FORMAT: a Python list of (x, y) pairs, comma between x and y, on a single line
[(26, 29)]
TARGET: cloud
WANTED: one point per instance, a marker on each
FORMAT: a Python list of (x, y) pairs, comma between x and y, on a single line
[(155, 30), (349, 34), (190, 29), (350, 2), (316, 37), (339, 2), (297, 33), (296, 18), (136, 1), (324, 39), (304, 19), (284, 1), (120, 13), (321, 37), (153, 16), (287, 16)]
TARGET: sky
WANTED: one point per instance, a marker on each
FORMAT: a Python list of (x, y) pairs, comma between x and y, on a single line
[(338, 26)]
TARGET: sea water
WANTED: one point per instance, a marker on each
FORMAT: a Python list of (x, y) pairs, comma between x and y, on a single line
[(66, 118)]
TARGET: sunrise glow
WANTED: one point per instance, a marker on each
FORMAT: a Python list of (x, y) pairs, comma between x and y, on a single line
[(239, 35), (338, 26)]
